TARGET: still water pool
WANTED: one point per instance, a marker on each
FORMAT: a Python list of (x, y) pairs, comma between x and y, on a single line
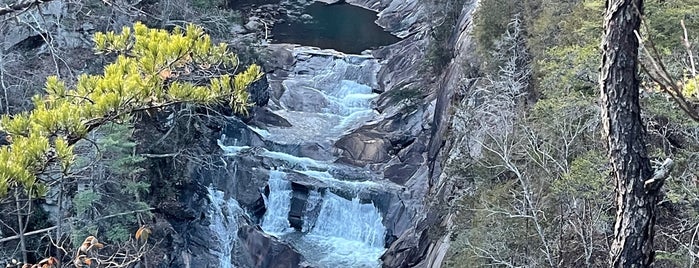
[(341, 26)]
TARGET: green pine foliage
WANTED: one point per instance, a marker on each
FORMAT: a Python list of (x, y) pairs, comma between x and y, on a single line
[(115, 202), (153, 68)]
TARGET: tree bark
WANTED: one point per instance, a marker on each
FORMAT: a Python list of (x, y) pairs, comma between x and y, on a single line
[(20, 227), (635, 200)]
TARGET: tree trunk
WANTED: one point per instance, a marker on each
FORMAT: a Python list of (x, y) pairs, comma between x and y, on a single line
[(20, 227), (635, 200)]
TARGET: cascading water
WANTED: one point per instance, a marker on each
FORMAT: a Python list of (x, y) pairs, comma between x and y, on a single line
[(224, 225), (276, 219), (350, 220), (345, 233), (328, 96), (314, 199), (349, 233)]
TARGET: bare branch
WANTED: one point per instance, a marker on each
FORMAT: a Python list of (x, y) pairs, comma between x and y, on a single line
[(20, 5)]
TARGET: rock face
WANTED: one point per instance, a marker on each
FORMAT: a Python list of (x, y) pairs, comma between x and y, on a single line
[(263, 251)]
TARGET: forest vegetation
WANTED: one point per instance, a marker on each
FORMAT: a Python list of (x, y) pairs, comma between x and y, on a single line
[(539, 190)]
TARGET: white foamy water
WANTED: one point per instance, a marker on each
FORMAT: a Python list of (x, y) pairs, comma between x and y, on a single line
[(224, 225), (346, 233), (353, 186), (303, 162), (276, 219), (313, 201), (322, 101), (347, 106), (350, 220)]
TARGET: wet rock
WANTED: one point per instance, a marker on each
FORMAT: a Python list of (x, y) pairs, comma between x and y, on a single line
[(261, 250), (259, 92), (263, 116), (237, 133), (306, 17), (191, 222), (254, 24), (400, 173), (403, 252), (399, 17), (299, 198), (303, 98), (363, 148), (238, 29)]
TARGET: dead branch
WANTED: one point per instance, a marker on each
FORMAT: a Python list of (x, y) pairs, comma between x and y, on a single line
[(20, 5), (10, 238)]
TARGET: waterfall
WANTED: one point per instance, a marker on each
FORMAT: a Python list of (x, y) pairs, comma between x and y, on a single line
[(346, 233), (350, 220), (314, 199), (276, 219), (326, 97), (223, 216)]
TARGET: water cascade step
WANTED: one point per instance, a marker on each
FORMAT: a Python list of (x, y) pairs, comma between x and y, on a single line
[(276, 219), (224, 225), (344, 233)]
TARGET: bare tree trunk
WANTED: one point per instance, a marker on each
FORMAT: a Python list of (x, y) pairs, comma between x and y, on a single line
[(20, 227), (635, 197), (59, 231), (2, 81)]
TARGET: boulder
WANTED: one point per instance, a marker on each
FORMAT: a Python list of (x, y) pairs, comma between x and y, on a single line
[(254, 24), (259, 92), (303, 98), (261, 250), (363, 148), (263, 116)]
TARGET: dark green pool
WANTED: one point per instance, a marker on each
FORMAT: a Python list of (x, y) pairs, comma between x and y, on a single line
[(343, 27)]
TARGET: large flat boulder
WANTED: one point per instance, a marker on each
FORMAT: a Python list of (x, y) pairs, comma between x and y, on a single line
[(363, 148)]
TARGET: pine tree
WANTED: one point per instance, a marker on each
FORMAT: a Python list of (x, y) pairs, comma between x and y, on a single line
[(153, 69)]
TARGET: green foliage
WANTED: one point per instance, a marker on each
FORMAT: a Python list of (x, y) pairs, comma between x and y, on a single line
[(117, 233), (143, 76), (587, 178), (439, 52), (491, 20), (409, 96), (118, 149), (78, 235), (563, 154), (663, 20), (119, 193), (136, 188), (84, 201), (657, 104), (568, 69)]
